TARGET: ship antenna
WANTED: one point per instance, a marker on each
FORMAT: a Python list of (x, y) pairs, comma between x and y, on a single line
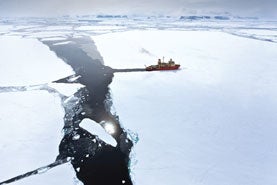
[(163, 59)]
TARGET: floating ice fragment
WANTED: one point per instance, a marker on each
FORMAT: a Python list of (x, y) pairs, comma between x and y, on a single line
[(76, 137), (78, 169), (100, 130)]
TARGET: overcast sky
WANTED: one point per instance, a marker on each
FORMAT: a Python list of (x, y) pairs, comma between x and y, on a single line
[(261, 8)]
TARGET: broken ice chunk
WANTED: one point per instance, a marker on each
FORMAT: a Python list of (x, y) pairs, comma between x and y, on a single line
[(76, 137)]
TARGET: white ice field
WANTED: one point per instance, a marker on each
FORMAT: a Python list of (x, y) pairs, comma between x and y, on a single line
[(211, 123)]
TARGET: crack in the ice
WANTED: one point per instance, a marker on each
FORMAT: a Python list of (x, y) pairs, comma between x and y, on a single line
[(94, 161)]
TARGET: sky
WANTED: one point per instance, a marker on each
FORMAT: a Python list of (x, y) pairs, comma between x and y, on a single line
[(259, 8)]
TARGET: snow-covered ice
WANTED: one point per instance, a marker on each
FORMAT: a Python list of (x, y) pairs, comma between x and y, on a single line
[(31, 130), (26, 61), (213, 122)]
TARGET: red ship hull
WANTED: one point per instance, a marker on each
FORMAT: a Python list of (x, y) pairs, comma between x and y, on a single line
[(162, 68)]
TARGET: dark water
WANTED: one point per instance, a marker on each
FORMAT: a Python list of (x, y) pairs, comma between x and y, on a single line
[(95, 162)]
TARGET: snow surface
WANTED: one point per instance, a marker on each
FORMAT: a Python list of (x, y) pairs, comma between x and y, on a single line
[(213, 122), (31, 130), (26, 61)]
